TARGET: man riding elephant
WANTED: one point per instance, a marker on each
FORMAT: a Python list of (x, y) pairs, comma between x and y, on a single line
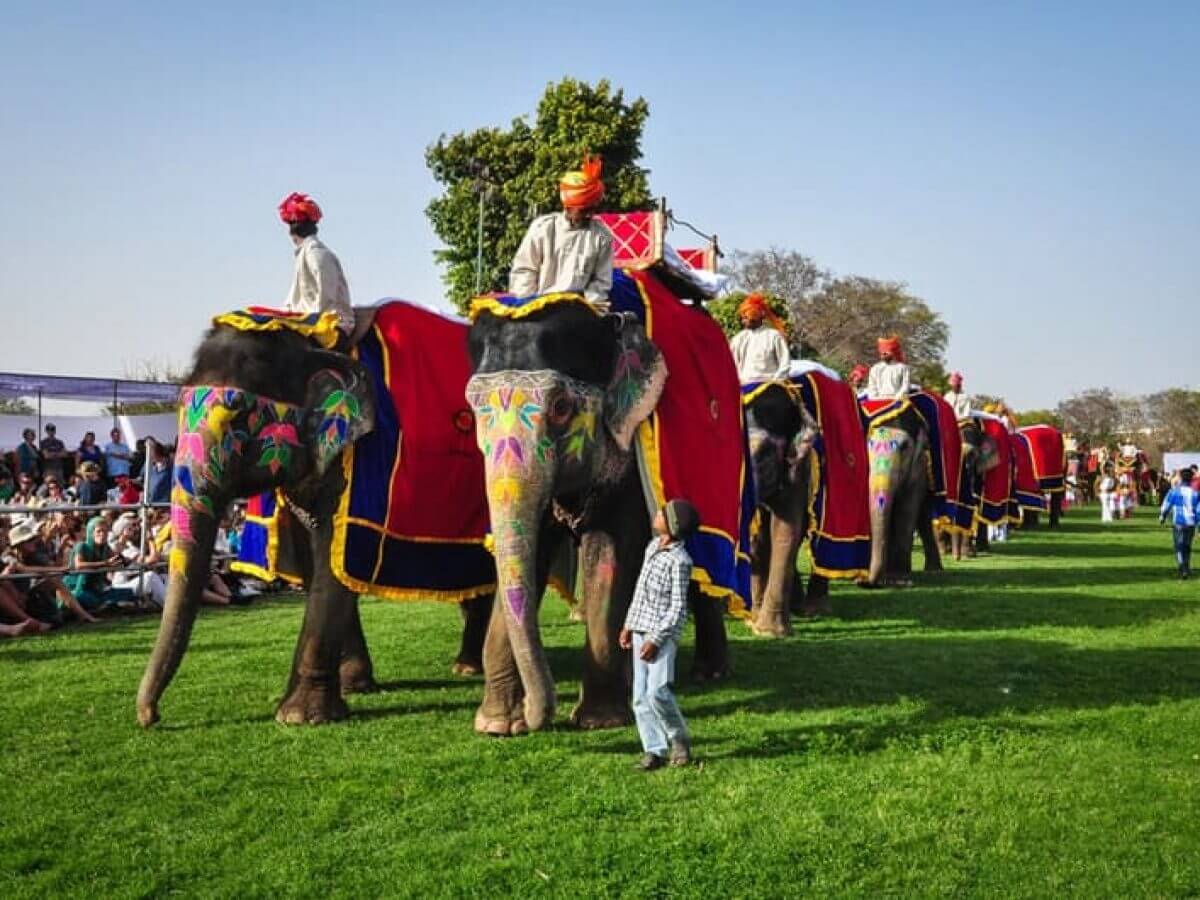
[(318, 282), (889, 379), (568, 251)]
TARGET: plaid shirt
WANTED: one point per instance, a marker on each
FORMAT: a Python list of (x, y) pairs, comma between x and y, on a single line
[(659, 607)]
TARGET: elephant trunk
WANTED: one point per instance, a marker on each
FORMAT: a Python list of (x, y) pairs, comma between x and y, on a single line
[(883, 449), (515, 526), (190, 559)]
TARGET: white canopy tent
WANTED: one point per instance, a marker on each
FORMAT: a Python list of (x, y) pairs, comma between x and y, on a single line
[(112, 391)]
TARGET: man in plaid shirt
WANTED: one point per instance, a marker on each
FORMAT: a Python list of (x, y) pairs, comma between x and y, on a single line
[(652, 629)]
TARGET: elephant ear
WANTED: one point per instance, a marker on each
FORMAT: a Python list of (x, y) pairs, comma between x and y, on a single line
[(637, 384), (340, 409)]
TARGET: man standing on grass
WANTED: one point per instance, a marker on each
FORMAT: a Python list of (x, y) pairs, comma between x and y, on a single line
[(1184, 503)]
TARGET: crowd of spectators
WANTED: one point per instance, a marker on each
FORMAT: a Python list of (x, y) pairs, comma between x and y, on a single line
[(71, 548)]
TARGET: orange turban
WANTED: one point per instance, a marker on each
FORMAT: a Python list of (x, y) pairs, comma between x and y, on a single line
[(755, 304), (299, 208), (890, 345), (582, 189)]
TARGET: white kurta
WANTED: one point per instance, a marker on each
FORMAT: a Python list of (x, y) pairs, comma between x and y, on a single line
[(319, 285), (761, 354), (888, 381), (960, 401), (556, 256)]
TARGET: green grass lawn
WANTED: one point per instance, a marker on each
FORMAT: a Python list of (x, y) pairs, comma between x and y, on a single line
[(1024, 724)]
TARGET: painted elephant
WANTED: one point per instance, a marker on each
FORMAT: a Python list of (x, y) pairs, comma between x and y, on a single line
[(261, 411), (781, 433), (900, 498), (978, 456), (557, 396)]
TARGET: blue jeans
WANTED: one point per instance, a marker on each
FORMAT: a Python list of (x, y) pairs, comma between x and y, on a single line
[(1183, 547), (659, 721)]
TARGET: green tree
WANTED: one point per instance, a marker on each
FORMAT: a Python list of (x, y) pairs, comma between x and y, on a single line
[(15, 406), (841, 321), (516, 171), (725, 311), (148, 370), (1040, 417), (1093, 414)]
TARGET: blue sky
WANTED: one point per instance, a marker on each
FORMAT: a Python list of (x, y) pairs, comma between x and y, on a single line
[(1030, 171)]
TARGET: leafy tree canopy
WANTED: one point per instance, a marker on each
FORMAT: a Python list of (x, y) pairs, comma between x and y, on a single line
[(516, 170)]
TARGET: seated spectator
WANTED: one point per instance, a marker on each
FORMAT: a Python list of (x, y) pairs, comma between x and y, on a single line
[(125, 492), (29, 457), (89, 451), (117, 457), (30, 557), (212, 594), (149, 586), (89, 583), (12, 600), (51, 492), (26, 492), (92, 491), (54, 453), (8, 487)]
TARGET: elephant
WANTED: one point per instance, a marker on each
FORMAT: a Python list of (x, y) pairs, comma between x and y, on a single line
[(558, 395), (262, 411), (978, 456), (900, 499), (781, 435)]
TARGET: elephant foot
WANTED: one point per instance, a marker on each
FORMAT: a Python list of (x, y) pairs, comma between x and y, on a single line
[(148, 715), (312, 705), (704, 671), (466, 667), (356, 677), (773, 626), (593, 713), (499, 726)]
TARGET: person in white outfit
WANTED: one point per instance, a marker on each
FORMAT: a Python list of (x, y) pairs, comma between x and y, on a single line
[(318, 282), (889, 379), (760, 350)]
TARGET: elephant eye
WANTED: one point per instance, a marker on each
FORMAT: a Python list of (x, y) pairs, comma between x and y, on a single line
[(561, 410)]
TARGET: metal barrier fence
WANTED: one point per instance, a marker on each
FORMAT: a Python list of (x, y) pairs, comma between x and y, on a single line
[(141, 567)]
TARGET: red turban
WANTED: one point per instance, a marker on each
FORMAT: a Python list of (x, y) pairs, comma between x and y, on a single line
[(299, 208), (859, 372), (890, 345), (956, 379), (756, 305), (582, 189)]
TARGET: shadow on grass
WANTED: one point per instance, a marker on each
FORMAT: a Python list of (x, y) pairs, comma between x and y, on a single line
[(960, 677), (995, 610)]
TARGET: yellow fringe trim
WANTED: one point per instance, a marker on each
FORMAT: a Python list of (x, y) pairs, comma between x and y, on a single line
[(500, 310)]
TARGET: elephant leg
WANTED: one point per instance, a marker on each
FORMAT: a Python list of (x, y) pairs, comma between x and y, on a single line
[(355, 672), (817, 602), (502, 711), (981, 537), (314, 693), (1056, 505), (772, 616), (711, 662), (760, 558), (933, 553), (475, 613), (607, 590)]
